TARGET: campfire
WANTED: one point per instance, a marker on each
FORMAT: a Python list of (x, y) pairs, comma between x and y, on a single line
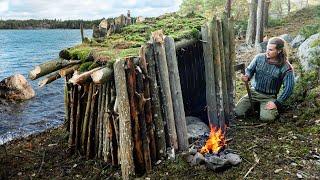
[(215, 143), (212, 151)]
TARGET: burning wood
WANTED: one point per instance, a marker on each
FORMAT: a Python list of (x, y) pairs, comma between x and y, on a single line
[(216, 141)]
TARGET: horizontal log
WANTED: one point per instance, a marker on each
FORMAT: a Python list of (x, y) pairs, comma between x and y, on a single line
[(49, 79), (82, 78), (101, 76), (49, 67), (185, 43), (68, 70)]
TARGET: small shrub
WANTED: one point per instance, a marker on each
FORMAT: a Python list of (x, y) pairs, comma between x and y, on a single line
[(276, 22), (309, 30)]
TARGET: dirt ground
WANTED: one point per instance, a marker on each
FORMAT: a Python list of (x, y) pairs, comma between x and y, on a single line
[(285, 149)]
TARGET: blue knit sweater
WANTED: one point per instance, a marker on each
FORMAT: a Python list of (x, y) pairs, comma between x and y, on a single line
[(268, 78)]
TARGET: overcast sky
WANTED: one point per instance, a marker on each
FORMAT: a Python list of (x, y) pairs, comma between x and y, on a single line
[(83, 9)]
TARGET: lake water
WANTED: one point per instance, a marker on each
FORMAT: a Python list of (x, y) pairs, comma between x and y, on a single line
[(20, 51)]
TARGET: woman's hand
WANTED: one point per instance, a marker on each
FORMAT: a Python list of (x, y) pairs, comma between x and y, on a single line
[(270, 105), (244, 78)]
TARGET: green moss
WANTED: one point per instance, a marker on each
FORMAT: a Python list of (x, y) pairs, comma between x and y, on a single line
[(309, 30), (129, 52), (315, 43), (80, 52), (85, 66)]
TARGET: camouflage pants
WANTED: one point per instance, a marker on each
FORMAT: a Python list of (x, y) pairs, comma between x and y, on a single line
[(265, 114)]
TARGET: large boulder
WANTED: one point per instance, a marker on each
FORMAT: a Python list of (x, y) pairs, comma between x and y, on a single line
[(306, 51), (16, 87), (262, 47), (297, 41), (287, 37), (196, 127)]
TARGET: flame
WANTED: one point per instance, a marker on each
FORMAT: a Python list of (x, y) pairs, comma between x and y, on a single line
[(215, 142)]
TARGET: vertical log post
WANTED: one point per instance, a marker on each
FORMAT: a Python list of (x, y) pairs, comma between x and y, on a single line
[(106, 121), (161, 63), (81, 31), (84, 133), (176, 93), (148, 110), (131, 78), (126, 155), (209, 75), (231, 75), (155, 102), (225, 61), (217, 70)]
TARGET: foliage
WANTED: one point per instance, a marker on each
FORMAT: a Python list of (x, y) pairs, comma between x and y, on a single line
[(85, 66), (273, 22), (47, 24), (80, 52), (309, 30)]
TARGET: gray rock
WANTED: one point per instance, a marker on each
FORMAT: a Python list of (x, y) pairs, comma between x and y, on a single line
[(196, 127), (287, 37), (197, 159), (234, 159), (262, 47), (215, 162), (295, 43), (16, 87), (305, 52)]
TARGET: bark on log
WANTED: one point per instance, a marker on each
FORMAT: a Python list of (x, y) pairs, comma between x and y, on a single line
[(49, 79), (84, 135), (161, 62), (67, 105), (185, 43), (106, 130), (68, 70), (176, 93), (148, 106), (83, 78), (97, 125), (101, 124), (49, 67), (126, 155), (81, 31), (142, 119), (224, 34), (73, 100), (231, 78), (217, 70), (155, 102), (90, 141), (78, 117), (101, 76), (209, 75), (138, 151)]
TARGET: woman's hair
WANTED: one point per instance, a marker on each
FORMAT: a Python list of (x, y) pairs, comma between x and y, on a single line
[(282, 46)]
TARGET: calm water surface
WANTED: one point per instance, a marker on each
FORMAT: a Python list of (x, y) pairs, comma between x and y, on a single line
[(20, 51)]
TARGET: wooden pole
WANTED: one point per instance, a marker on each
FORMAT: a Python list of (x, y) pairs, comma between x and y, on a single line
[(138, 150), (78, 118), (176, 93), (217, 70), (161, 62), (49, 67), (231, 75), (49, 79), (81, 31), (90, 141), (101, 121), (155, 103), (126, 155), (148, 106), (209, 75), (84, 134), (71, 139), (142, 118), (223, 29), (106, 122)]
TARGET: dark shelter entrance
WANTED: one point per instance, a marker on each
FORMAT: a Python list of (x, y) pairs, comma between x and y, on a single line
[(192, 78)]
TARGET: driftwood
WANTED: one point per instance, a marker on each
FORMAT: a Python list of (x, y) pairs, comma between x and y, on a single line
[(101, 76), (209, 75), (155, 103), (49, 79), (177, 100), (126, 155), (49, 67), (162, 66), (83, 78)]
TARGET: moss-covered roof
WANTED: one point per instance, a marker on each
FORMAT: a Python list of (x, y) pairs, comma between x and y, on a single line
[(129, 40)]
